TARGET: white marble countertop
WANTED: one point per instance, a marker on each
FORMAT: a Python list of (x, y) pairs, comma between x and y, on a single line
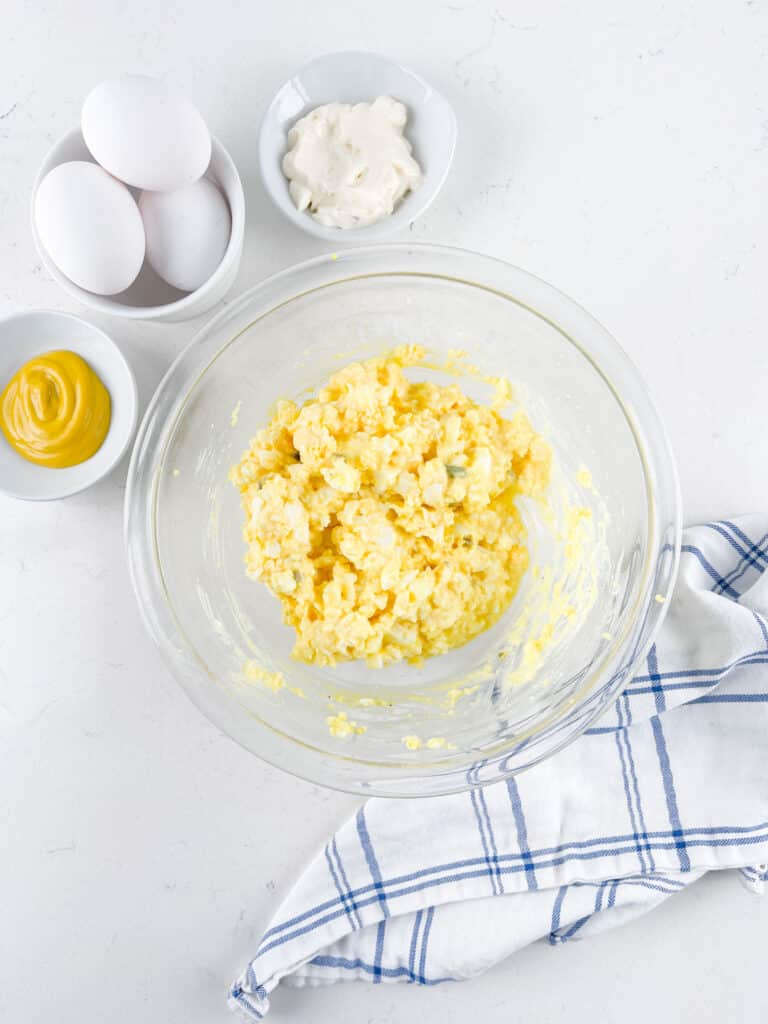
[(618, 150)]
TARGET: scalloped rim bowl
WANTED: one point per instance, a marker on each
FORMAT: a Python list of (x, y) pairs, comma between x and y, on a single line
[(354, 77)]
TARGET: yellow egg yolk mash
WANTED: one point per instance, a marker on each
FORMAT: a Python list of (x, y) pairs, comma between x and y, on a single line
[(382, 513)]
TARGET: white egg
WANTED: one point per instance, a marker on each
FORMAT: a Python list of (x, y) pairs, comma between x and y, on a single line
[(90, 226), (146, 133), (187, 232)]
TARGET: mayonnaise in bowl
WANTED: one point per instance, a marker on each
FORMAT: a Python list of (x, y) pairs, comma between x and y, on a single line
[(349, 165)]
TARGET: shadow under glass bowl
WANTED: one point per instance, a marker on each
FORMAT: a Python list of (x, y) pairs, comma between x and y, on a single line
[(186, 553)]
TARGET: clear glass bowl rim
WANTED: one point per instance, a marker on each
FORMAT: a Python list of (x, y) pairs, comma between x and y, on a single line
[(572, 321)]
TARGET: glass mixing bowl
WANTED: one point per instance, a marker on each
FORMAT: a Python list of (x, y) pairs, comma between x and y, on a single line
[(603, 553)]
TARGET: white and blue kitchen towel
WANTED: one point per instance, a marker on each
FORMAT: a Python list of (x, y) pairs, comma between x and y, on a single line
[(672, 782)]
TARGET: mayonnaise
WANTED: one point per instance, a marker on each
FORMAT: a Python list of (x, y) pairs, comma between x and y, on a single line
[(349, 165)]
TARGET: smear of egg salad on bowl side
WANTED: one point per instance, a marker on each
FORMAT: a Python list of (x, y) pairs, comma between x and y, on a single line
[(382, 513)]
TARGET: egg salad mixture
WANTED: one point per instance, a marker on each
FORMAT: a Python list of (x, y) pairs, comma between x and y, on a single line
[(382, 513)]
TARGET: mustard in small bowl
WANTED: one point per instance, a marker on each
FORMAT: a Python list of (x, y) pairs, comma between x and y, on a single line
[(55, 411), (68, 405)]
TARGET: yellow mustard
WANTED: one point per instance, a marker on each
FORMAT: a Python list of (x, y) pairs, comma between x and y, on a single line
[(55, 411)]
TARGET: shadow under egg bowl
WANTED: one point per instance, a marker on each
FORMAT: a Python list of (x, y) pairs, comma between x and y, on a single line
[(603, 555)]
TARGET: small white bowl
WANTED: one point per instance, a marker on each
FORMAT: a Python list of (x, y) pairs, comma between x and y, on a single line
[(149, 297), (24, 335), (355, 77)]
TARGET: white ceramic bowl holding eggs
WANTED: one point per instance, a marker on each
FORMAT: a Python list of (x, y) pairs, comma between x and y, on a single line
[(149, 297), (354, 77), (25, 335)]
